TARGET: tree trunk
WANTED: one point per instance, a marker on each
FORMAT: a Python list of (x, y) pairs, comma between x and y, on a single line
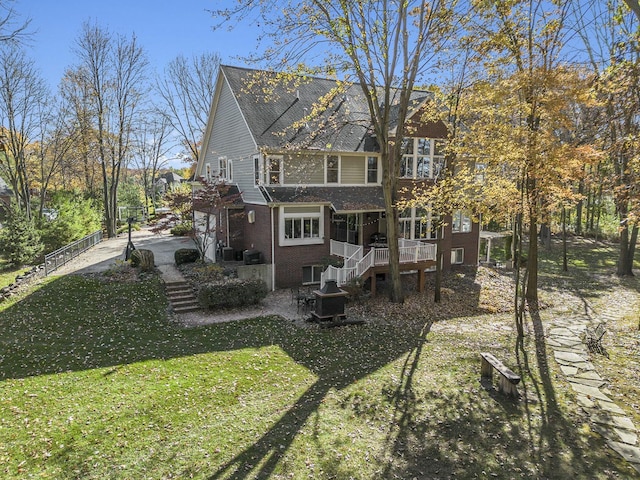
[(626, 251), (437, 294), (565, 265), (579, 209)]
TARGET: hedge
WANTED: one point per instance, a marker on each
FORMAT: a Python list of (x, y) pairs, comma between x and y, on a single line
[(232, 293), (186, 255)]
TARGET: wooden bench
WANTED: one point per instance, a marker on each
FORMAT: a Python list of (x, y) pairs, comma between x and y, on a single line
[(594, 336), (507, 381)]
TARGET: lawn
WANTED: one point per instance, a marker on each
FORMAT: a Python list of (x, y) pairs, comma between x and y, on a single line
[(98, 381), (8, 274)]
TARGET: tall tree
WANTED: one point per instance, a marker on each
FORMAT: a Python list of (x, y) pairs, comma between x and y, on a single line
[(150, 152), (611, 38), (22, 94), (111, 75), (385, 47), (520, 109), (187, 89)]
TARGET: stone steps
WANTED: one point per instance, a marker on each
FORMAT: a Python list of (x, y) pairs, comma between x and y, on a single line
[(181, 297)]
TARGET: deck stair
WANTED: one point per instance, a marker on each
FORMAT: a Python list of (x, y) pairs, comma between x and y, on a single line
[(181, 297), (358, 264)]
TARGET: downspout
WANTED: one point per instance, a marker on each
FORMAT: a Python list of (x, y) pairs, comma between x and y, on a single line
[(273, 252), (226, 212)]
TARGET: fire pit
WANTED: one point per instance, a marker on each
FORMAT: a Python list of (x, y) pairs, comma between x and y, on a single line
[(330, 302)]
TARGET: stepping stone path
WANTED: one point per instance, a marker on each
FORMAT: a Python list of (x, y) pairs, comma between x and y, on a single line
[(564, 336)]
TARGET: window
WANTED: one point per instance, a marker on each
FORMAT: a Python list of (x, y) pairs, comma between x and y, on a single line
[(372, 169), (274, 169), (333, 168), (406, 164), (457, 256), (461, 222), (226, 170), (301, 225), (311, 274), (208, 171), (422, 158), (416, 224), (258, 170)]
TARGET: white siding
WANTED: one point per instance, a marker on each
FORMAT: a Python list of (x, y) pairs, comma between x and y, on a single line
[(353, 170), (304, 170)]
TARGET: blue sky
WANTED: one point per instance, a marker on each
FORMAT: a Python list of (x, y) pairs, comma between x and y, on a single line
[(164, 28)]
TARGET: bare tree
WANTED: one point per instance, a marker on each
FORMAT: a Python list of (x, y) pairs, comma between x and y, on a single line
[(112, 70), (613, 47), (22, 93), (12, 28), (56, 137), (187, 90), (150, 151), (385, 47)]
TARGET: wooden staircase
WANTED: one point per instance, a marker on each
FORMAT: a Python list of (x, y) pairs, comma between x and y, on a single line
[(181, 297)]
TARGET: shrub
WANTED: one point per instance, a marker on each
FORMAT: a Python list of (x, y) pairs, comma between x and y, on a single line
[(186, 255), (143, 259), (232, 293), (182, 229)]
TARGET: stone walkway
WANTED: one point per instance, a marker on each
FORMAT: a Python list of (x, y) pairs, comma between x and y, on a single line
[(565, 337)]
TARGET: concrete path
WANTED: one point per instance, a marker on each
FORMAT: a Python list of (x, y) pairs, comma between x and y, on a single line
[(110, 251), (565, 337)]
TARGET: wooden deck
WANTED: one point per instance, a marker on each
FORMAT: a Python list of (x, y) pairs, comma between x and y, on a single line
[(420, 267)]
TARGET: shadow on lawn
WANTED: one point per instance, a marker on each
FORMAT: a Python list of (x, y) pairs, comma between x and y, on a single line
[(461, 429)]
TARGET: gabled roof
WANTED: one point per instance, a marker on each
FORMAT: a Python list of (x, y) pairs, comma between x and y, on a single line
[(276, 119), (341, 199), (306, 112)]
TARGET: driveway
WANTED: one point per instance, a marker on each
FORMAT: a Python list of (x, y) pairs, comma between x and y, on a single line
[(106, 254)]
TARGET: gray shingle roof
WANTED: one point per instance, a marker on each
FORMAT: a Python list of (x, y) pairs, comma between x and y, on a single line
[(341, 199), (276, 110)]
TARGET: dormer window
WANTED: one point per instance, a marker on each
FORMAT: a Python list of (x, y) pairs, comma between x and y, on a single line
[(274, 169), (333, 169)]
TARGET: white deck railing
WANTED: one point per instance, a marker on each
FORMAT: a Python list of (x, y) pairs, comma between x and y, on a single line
[(356, 265)]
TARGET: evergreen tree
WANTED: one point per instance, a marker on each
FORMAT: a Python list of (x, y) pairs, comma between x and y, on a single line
[(19, 240)]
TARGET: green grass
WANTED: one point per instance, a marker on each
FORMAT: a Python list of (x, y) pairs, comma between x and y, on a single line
[(97, 381), (8, 274)]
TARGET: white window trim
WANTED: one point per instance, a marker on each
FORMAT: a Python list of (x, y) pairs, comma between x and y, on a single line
[(313, 268), (454, 252), (267, 168), (226, 173), (433, 158), (286, 242), (366, 170), (413, 220), (326, 169), (455, 228), (258, 171)]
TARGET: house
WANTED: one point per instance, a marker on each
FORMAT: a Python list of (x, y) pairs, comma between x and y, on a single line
[(166, 181), (303, 157), (5, 194)]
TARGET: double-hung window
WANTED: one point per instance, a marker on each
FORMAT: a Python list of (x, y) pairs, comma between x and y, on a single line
[(301, 225), (226, 169), (333, 169), (372, 169), (274, 169)]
